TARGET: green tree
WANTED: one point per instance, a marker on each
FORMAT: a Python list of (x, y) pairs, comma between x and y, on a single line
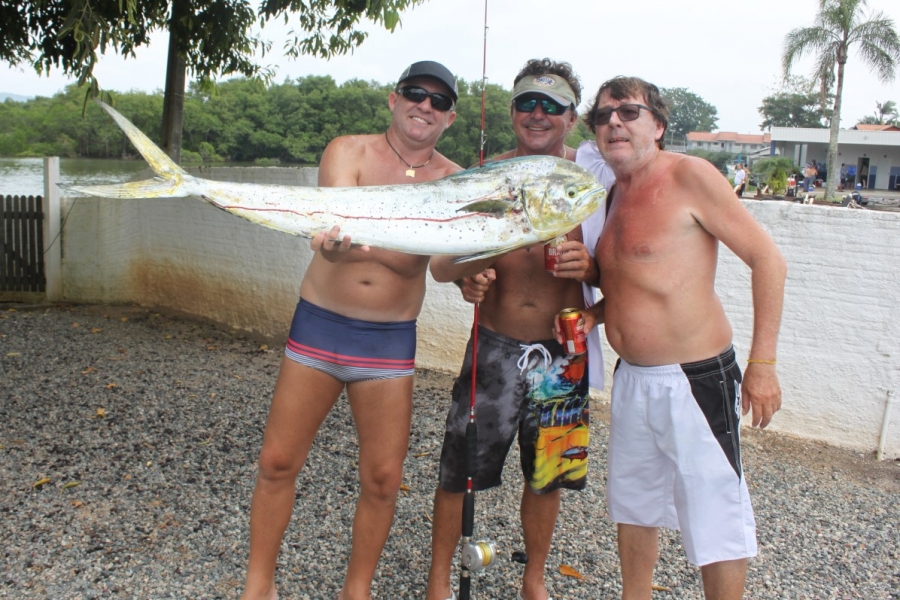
[(795, 104), (886, 111), (885, 114), (207, 37), (839, 26), (461, 142), (688, 112)]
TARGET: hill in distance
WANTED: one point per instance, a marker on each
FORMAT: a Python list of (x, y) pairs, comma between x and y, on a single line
[(14, 97)]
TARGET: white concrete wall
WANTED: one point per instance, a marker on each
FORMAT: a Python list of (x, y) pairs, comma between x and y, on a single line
[(839, 353)]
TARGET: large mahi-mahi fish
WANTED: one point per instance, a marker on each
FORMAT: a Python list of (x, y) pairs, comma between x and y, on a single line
[(476, 213)]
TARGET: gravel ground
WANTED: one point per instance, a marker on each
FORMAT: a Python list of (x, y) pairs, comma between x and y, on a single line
[(146, 427)]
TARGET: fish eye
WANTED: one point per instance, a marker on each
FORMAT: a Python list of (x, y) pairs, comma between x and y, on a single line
[(570, 192)]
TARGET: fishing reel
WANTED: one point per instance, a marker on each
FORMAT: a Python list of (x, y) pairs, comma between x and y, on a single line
[(478, 556)]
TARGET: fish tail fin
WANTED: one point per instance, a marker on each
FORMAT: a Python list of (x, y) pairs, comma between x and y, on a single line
[(168, 182), (148, 188), (158, 160)]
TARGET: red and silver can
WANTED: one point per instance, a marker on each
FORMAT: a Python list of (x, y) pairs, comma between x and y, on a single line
[(551, 253), (572, 325)]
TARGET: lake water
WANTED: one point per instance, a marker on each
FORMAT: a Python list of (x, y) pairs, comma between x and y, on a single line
[(25, 176)]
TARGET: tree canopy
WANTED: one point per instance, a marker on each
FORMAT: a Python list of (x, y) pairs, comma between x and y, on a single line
[(208, 38), (795, 104), (248, 120), (688, 112), (839, 26), (216, 37), (885, 114)]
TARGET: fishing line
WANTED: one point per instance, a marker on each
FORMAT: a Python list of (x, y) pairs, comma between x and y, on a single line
[(61, 227), (474, 555)]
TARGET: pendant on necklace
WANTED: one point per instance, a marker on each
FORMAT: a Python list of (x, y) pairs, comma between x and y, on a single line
[(410, 173)]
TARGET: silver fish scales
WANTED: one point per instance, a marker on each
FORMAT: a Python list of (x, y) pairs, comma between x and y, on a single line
[(475, 213)]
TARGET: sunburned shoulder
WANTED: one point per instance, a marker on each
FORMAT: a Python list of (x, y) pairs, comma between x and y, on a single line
[(444, 166), (695, 173), (350, 145), (689, 164)]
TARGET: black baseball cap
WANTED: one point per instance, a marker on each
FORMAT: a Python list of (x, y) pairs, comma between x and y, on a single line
[(435, 70)]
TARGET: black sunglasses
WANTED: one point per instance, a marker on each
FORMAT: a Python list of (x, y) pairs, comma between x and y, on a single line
[(417, 95), (527, 104), (626, 112)]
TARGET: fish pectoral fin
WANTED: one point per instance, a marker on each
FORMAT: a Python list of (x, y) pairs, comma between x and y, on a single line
[(497, 208), (148, 188), (480, 255)]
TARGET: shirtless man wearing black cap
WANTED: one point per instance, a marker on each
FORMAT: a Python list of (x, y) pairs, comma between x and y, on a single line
[(354, 329)]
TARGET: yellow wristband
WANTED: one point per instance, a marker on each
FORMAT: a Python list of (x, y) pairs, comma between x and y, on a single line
[(759, 360)]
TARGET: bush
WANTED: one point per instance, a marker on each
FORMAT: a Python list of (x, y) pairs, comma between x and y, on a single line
[(774, 171), (190, 158), (718, 159)]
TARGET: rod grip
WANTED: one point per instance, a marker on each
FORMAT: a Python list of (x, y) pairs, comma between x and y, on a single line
[(468, 515), (465, 583), (471, 448)]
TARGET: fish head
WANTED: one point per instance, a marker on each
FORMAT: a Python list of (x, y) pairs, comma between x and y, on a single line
[(560, 196)]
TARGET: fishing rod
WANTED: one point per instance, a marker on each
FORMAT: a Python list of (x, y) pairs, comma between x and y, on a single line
[(474, 556)]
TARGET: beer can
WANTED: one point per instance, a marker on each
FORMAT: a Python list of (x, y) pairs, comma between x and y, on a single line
[(551, 253), (572, 326)]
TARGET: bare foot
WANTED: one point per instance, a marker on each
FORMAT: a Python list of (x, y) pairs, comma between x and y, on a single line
[(273, 595)]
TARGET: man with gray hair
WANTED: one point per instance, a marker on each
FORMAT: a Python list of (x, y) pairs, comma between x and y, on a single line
[(678, 393)]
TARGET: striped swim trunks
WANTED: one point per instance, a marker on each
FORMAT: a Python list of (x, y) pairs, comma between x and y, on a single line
[(350, 349)]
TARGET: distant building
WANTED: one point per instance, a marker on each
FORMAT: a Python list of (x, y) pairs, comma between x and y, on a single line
[(728, 141), (865, 127), (875, 153)]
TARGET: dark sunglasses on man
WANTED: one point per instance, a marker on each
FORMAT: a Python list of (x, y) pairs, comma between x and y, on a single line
[(527, 103), (417, 95), (626, 112)]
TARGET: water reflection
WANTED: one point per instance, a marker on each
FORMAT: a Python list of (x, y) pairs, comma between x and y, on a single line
[(25, 176)]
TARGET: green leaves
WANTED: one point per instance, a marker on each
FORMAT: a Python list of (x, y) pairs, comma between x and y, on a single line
[(688, 112), (214, 36)]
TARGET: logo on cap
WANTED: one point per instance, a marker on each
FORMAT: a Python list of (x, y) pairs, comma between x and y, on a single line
[(543, 80)]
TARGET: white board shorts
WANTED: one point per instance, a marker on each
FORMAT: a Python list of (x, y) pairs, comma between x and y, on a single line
[(675, 457)]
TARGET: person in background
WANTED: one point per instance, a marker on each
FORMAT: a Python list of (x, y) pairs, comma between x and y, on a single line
[(740, 176)]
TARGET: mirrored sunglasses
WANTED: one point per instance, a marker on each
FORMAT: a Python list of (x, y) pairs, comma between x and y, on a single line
[(417, 95), (527, 104), (626, 112)]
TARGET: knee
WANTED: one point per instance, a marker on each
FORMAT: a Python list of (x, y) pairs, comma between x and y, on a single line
[(276, 465), (382, 482)]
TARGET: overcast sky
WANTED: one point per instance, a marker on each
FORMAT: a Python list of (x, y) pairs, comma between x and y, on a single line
[(729, 53)]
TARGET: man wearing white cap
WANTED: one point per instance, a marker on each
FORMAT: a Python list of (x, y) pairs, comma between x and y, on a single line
[(526, 383)]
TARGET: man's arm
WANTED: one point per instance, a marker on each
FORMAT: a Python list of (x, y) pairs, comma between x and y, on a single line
[(725, 217), (444, 270), (339, 167)]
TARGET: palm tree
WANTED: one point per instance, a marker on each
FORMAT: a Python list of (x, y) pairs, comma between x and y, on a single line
[(839, 25), (885, 111)]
